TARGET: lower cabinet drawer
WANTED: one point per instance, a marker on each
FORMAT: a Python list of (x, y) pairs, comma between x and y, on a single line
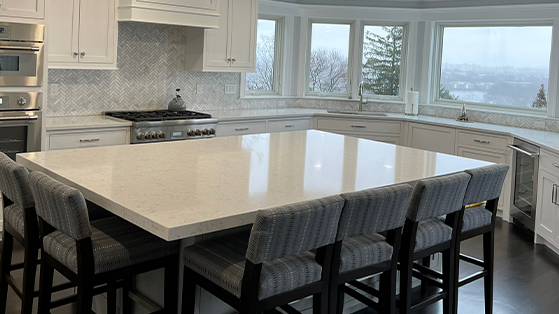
[(549, 161), (482, 140), (288, 125), (88, 139), (360, 125), (240, 128)]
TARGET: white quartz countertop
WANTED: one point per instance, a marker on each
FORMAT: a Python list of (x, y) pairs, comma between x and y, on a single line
[(186, 188), (84, 122)]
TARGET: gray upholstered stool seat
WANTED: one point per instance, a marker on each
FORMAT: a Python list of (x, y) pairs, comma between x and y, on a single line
[(116, 244), (13, 214), (431, 232), (222, 261), (476, 217), (359, 252)]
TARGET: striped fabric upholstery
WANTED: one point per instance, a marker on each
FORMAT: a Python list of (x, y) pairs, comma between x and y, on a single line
[(359, 252), (61, 206), (430, 233), (476, 217), (295, 228), (222, 261), (116, 244), (486, 183), (14, 182), (437, 196), (13, 214), (374, 210)]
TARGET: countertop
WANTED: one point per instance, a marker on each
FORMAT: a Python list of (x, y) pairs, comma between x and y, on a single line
[(181, 189), (545, 139)]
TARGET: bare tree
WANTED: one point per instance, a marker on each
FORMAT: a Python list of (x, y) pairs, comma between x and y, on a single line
[(328, 71), (263, 79)]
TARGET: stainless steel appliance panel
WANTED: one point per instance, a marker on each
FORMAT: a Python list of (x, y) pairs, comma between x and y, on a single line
[(21, 54)]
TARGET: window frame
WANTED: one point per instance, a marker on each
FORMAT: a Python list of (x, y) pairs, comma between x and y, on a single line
[(279, 44), (437, 67), (403, 61), (350, 67)]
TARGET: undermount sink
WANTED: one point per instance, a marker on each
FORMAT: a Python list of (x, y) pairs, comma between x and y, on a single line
[(376, 114)]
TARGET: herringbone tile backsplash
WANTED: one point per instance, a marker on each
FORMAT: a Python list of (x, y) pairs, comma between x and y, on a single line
[(151, 67)]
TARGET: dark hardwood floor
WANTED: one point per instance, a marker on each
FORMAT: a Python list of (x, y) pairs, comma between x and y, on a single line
[(526, 278)]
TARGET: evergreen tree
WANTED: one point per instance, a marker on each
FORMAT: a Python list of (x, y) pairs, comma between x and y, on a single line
[(541, 99), (383, 54), (445, 93)]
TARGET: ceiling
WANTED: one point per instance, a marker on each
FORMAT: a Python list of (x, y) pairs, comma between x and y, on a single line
[(419, 4)]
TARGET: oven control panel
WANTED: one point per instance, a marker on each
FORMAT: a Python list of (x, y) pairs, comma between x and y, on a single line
[(172, 133), (20, 101)]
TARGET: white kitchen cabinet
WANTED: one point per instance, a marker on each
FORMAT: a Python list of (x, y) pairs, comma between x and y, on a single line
[(34, 9), (240, 128), (431, 138), (478, 154), (288, 125), (547, 219), (88, 138), (82, 34), (381, 131), (193, 13), (232, 47)]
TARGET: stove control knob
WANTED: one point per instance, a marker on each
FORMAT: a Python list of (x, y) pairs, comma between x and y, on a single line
[(205, 131), (211, 131), (153, 135), (140, 136), (22, 101), (190, 132), (161, 134), (198, 132), (147, 136)]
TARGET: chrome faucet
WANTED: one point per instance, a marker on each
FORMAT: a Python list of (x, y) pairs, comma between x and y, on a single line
[(361, 96)]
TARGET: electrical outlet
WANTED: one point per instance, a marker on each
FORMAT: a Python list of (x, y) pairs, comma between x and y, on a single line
[(539, 125), (282, 104), (199, 89), (431, 112), (231, 89), (54, 88)]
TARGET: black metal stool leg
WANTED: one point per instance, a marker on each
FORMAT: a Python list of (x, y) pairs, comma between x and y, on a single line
[(488, 258), (5, 265)]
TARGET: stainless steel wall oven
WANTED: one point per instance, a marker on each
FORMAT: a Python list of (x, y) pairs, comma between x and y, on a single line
[(20, 123), (21, 54)]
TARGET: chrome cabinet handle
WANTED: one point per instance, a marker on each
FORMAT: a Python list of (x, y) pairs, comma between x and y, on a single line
[(242, 129), (554, 194), (481, 141), (359, 126), (555, 165), (289, 125), (89, 140)]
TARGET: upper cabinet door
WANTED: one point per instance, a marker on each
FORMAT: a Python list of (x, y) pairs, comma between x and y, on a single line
[(217, 41), (23, 8), (63, 30), (243, 36), (97, 31)]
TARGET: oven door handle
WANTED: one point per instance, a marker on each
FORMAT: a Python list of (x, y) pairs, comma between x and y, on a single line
[(20, 48), (19, 118), (520, 150)]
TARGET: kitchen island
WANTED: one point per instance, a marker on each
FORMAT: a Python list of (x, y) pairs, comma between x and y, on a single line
[(185, 190)]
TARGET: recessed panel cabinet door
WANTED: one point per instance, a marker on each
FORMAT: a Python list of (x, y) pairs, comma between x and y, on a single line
[(432, 138), (217, 44), (63, 30), (97, 26), (547, 219), (23, 8), (243, 36)]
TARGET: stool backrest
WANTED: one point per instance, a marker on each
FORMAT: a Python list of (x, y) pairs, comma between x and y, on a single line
[(294, 228), (437, 196), (14, 182), (486, 183), (61, 206), (374, 210)]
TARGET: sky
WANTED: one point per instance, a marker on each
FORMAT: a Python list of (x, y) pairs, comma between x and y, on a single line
[(498, 46), (335, 36), (266, 27)]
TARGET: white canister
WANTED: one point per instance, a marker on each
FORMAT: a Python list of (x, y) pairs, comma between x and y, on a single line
[(412, 103)]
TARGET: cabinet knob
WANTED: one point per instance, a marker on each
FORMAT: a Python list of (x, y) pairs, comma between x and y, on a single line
[(233, 60), (76, 53), (82, 53)]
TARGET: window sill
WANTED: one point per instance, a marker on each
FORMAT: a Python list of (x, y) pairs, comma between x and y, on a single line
[(491, 109), (381, 101)]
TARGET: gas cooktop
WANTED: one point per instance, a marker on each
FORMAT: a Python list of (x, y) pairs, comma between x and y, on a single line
[(157, 115)]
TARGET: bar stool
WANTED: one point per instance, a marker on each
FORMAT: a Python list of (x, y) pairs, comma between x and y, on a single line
[(272, 266), (96, 256), (20, 223), (485, 185), (360, 251), (425, 235)]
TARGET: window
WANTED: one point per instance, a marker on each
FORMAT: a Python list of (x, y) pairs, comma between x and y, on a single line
[(495, 65), (268, 56), (381, 71), (328, 60)]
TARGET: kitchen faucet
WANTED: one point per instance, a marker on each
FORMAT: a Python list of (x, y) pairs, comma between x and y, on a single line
[(361, 96)]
